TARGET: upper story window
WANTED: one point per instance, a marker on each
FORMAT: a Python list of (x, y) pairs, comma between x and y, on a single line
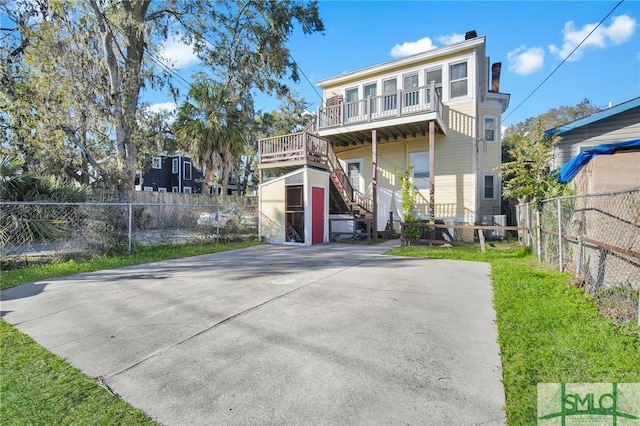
[(186, 174), (174, 165), (435, 75), (410, 87), (389, 94), (490, 129), (370, 92), (458, 79), (351, 106), (156, 162)]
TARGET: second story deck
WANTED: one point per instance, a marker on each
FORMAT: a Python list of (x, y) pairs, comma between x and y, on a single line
[(406, 112)]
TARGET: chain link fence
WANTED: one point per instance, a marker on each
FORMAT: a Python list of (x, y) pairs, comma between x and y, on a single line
[(54, 231), (596, 238)]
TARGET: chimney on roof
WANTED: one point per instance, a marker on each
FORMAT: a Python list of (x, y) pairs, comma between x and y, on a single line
[(495, 76), (470, 34)]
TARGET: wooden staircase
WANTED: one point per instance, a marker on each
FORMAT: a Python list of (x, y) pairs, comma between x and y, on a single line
[(289, 152)]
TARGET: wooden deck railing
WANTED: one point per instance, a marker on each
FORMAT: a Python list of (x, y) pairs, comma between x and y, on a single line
[(382, 107), (307, 149)]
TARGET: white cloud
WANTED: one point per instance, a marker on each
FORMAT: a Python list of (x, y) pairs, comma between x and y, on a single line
[(450, 39), (621, 29), (162, 107), (178, 54), (410, 47), (525, 61)]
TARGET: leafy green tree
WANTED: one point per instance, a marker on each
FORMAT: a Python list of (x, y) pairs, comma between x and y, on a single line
[(528, 154), (209, 127), (113, 46)]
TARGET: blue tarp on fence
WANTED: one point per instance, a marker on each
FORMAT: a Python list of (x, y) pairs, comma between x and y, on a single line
[(573, 166)]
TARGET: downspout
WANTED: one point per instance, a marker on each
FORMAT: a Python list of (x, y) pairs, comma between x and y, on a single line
[(180, 188), (474, 137), (306, 202)]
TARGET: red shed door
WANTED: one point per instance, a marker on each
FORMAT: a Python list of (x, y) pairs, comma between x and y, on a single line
[(317, 215)]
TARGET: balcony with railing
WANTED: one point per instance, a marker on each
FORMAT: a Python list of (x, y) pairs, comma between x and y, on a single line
[(292, 151), (405, 106)]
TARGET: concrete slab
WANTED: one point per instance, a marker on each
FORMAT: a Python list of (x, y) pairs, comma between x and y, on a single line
[(329, 334)]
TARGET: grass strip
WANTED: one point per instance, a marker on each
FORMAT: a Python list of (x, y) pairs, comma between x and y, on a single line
[(38, 388), (548, 330), (146, 254)]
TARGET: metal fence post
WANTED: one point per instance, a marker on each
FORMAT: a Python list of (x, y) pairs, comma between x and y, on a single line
[(538, 236), (560, 254), (218, 225), (130, 226)]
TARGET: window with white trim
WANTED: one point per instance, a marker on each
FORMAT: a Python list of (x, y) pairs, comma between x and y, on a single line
[(147, 188), (458, 80), (490, 128), (186, 190), (174, 165), (489, 186), (354, 173), (186, 173), (389, 94), (410, 88), (161, 189), (352, 103), (419, 162), (370, 92), (156, 163), (175, 189), (434, 75)]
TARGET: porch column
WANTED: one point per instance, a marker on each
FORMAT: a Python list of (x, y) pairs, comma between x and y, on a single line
[(432, 171), (374, 182)]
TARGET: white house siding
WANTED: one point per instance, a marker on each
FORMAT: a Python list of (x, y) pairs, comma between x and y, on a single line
[(454, 195), (621, 127), (489, 158), (272, 220)]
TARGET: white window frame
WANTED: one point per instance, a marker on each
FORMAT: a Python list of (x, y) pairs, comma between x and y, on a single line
[(360, 163), (156, 163), (411, 95), (161, 189), (187, 167), (465, 78), (390, 100), (495, 186), (175, 189), (427, 82), (147, 188), (175, 162), (372, 107), (420, 182), (495, 128), (186, 190), (351, 105)]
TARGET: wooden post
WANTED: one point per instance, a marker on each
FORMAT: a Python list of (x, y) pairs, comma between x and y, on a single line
[(481, 238), (432, 176), (374, 182)]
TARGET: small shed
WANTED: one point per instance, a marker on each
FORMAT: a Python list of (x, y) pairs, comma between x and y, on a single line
[(294, 208)]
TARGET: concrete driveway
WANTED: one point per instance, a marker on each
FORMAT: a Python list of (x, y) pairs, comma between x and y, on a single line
[(329, 334)]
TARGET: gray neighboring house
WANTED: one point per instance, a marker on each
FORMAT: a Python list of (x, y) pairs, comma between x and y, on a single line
[(604, 173)]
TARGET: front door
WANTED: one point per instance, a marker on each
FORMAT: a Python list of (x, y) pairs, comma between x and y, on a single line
[(317, 215)]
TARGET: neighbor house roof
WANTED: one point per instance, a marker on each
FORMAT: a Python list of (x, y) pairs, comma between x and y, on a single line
[(609, 112)]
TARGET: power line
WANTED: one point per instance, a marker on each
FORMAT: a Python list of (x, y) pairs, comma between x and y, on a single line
[(563, 61)]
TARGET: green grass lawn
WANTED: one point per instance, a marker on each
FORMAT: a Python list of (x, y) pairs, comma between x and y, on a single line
[(142, 255), (548, 330), (37, 387)]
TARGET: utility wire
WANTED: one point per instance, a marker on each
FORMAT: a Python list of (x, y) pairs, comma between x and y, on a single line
[(563, 61)]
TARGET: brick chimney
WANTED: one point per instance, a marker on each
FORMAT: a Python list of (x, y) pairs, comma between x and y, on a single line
[(495, 76)]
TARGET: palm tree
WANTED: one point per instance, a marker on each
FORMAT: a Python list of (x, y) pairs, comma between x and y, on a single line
[(209, 127)]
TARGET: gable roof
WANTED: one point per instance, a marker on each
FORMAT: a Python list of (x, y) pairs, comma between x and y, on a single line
[(585, 121)]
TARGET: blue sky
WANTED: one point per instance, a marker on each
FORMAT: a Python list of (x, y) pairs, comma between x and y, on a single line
[(529, 38)]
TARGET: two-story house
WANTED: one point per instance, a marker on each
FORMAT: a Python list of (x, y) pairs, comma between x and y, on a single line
[(435, 113), (171, 173)]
